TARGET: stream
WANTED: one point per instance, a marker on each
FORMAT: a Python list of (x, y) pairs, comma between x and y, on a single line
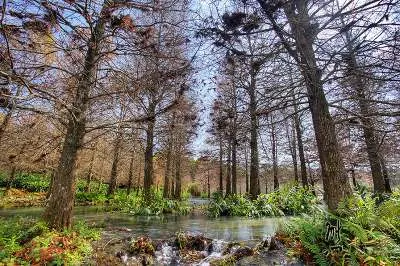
[(119, 228)]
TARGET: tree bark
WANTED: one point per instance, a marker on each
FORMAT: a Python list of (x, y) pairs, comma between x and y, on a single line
[(274, 156), (247, 167), (167, 170), (177, 194), (89, 174), (130, 175), (358, 84), (254, 167), (234, 143), (228, 170), (300, 146), (293, 149), (114, 168), (385, 174), (335, 181), (148, 159), (221, 165), (58, 213)]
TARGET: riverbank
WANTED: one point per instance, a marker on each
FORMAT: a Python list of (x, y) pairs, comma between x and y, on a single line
[(120, 230)]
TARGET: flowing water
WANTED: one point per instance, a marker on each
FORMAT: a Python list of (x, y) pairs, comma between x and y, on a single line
[(158, 227), (120, 226)]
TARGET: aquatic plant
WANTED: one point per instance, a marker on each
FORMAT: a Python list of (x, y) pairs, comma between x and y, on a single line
[(137, 204), (289, 200)]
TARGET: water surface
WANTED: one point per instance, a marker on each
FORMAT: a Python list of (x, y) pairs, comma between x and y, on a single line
[(161, 227)]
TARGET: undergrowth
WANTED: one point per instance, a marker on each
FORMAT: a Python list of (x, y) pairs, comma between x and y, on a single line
[(289, 200), (137, 204), (364, 231), (26, 241)]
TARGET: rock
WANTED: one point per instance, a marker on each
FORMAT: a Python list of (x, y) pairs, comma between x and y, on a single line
[(277, 257), (231, 245), (142, 245), (274, 244), (243, 252), (191, 256), (192, 242), (223, 261)]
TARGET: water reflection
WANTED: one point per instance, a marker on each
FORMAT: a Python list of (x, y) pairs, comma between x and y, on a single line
[(226, 228)]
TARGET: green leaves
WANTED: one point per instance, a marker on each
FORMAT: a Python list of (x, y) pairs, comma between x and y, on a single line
[(289, 200), (368, 233)]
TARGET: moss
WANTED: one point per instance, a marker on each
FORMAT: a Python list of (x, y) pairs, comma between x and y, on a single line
[(142, 245), (192, 242)]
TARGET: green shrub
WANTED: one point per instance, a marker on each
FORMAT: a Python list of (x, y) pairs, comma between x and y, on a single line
[(27, 241), (136, 204), (31, 182), (194, 189), (289, 200), (367, 233), (90, 198)]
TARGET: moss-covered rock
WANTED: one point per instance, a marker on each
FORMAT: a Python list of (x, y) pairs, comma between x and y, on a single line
[(192, 242), (142, 245)]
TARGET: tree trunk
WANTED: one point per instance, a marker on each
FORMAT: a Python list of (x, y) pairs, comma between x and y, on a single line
[(167, 170), (358, 84), (335, 181), (234, 162), (177, 194), (311, 178), (234, 142), (130, 175), (58, 213), (12, 176), (221, 165), (5, 123), (274, 156), (385, 174), (247, 167), (90, 172), (254, 182), (292, 147), (208, 184), (114, 168), (228, 170), (300, 146), (148, 159)]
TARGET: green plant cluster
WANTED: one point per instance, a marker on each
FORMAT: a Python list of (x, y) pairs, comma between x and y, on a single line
[(289, 200), (367, 233), (31, 182), (25, 241), (138, 204)]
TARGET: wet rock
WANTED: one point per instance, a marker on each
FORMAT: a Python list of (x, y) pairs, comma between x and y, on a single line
[(192, 256), (271, 243), (192, 242), (243, 252), (267, 258), (231, 247), (274, 244), (142, 245), (223, 261), (236, 253)]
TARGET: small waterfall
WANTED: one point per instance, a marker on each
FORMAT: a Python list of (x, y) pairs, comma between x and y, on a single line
[(167, 255), (215, 251)]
